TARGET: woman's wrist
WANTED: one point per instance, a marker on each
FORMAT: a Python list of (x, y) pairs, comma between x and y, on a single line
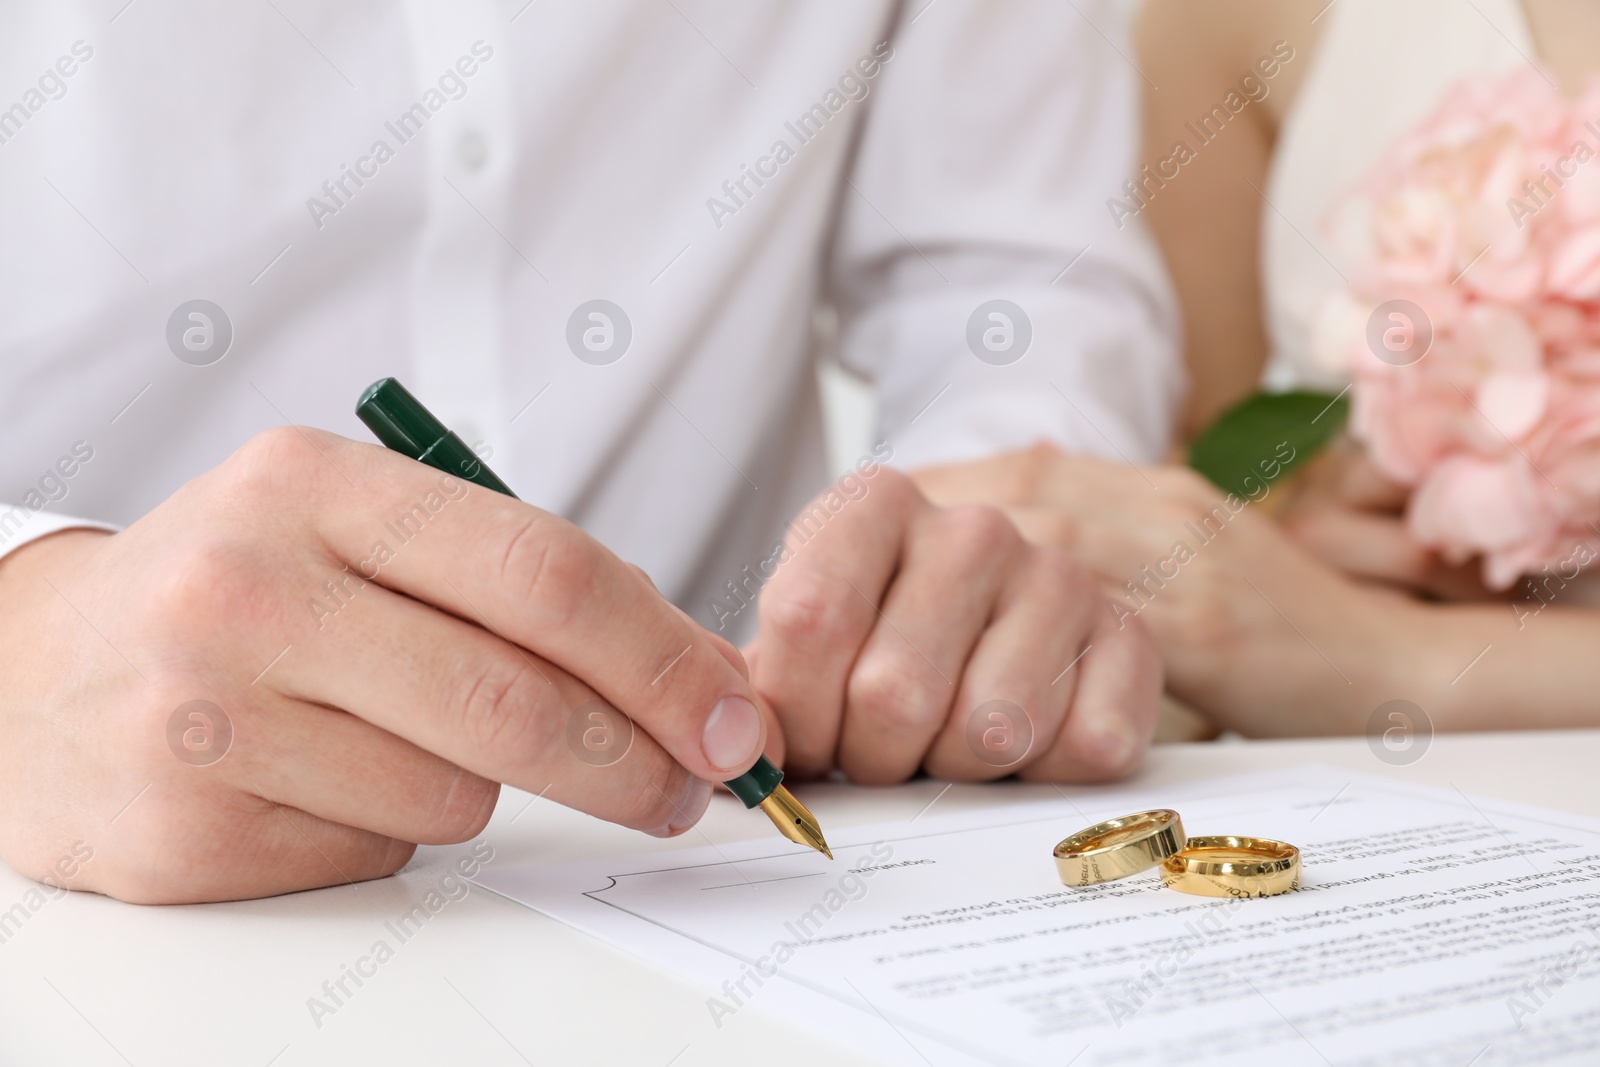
[(1476, 669)]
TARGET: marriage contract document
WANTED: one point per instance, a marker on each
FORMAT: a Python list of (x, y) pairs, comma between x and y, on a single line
[(1431, 929)]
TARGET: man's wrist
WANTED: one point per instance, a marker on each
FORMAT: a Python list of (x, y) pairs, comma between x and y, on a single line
[(20, 526), (41, 553)]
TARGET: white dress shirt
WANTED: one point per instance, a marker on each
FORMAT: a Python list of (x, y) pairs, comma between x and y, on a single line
[(432, 191)]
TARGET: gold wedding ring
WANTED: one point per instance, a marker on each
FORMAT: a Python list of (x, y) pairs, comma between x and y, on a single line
[(1233, 867), (1117, 848)]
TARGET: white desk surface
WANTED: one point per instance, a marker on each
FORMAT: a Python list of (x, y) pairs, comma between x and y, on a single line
[(89, 981)]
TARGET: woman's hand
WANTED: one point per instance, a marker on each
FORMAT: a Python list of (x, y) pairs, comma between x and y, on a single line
[(1253, 629), (1346, 512)]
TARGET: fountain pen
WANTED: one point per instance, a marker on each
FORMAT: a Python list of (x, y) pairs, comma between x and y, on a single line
[(402, 424)]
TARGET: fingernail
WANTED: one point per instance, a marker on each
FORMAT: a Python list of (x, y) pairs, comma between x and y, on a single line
[(689, 809), (733, 731)]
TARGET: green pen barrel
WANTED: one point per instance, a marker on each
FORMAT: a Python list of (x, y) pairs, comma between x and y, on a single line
[(756, 784), (403, 425)]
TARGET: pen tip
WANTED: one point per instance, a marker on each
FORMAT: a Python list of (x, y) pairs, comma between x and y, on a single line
[(795, 821)]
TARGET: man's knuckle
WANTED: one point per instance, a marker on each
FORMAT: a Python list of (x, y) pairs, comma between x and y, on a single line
[(550, 567), (501, 710), (215, 578), (805, 614), (978, 531), (274, 461), (895, 489), (896, 694)]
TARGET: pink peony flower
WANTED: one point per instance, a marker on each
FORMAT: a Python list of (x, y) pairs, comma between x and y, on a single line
[(1486, 217)]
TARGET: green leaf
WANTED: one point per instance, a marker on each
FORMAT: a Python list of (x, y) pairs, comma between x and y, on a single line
[(1266, 437)]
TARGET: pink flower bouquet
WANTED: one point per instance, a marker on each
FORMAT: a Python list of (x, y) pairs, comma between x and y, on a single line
[(1472, 325)]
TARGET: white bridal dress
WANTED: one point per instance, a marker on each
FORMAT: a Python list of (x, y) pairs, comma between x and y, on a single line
[(1379, 69)]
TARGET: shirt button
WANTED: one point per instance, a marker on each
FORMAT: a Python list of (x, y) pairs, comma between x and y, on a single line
[(472, 150)]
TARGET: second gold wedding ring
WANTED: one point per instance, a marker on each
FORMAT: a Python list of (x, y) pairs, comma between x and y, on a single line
[(1233, 867), (1117, 848)]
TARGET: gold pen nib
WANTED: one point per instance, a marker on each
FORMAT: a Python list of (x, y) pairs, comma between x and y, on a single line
[(794, 821)]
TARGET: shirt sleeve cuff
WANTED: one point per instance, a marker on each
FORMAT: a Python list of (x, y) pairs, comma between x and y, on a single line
[(20, 525)]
